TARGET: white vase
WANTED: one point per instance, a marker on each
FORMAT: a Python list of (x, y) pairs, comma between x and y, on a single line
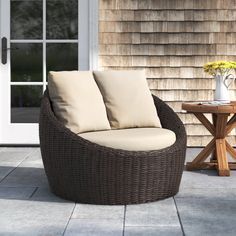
[(222, 85)]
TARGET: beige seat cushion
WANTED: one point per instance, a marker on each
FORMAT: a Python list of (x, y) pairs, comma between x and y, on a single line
[(77, 101), (136, 139), (127, 98)]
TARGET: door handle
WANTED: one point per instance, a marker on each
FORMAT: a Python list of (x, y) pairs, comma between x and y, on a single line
[(4, 50)]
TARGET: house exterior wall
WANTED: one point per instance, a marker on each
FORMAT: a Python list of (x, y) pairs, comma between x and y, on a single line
[(171, 40)]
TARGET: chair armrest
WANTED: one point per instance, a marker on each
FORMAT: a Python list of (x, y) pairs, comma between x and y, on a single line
[(169, 119)]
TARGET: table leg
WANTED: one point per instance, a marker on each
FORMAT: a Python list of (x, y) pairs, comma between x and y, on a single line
[(230, 150), (218, 145), (213, 156), (221, 123), (223, 167), (197, 163), (231, 124)]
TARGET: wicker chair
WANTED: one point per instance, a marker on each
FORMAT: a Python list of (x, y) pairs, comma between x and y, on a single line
[(85, 172)]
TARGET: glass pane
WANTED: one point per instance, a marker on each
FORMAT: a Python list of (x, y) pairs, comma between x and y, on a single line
[(25, 103), (26, 62), (62, 19), (62, 56), (26, 19)]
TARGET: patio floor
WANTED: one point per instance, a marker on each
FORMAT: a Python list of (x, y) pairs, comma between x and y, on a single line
[(205, 205)]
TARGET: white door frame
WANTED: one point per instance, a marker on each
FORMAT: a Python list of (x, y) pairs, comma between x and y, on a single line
[(23, 133)]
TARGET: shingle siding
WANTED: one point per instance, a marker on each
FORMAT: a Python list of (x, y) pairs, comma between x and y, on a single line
[(171, 40)]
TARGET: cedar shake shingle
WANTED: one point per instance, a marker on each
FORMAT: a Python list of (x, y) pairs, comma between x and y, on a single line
[(171, 41)]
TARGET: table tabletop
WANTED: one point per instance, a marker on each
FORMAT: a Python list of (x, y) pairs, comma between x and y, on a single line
[(210, 108)]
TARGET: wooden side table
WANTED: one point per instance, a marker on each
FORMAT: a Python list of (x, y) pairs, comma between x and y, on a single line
[(219, 128)]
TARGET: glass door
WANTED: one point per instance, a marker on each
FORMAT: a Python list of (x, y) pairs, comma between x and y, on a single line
[(36, 36)]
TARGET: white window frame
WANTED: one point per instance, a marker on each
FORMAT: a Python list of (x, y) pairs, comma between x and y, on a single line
[(88, 46), (88, 55), (87, 59)]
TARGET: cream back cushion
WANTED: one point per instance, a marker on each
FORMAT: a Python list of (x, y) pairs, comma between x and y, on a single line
[(77, 101), (128, 100)]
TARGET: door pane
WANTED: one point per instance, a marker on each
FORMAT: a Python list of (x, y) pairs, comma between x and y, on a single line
[(26, 62), (26, 19), (62, 56), (25, 103), (62, 19)]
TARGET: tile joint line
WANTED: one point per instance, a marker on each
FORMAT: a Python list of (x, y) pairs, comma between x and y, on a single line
[(123, 233), (26, 157), (180, 221), (35, 190), (69, 220)]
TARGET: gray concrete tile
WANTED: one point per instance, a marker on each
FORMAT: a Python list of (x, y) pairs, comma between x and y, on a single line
[(86, 211), (4, 171), (207, 216), (207, 179), (153, 231), (95, 227), (20, 149), (33, 160), (208, 193), (16, 193), (191, 153), (31, 218), (205, 199), (13, 158), (25, 176), (44, 194), (161, 213)]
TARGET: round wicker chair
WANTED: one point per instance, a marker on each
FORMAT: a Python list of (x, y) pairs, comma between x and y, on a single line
[(85, 172)]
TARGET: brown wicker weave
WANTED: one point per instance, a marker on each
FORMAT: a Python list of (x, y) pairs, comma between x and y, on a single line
[(85, 172)]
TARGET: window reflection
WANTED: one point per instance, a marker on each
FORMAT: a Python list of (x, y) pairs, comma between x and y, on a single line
[(62, 56), (26, 19), (26, 62), (62, 19), (25, 103)]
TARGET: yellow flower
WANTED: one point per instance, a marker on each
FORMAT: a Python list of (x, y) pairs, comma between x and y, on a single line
[(219, 67)]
